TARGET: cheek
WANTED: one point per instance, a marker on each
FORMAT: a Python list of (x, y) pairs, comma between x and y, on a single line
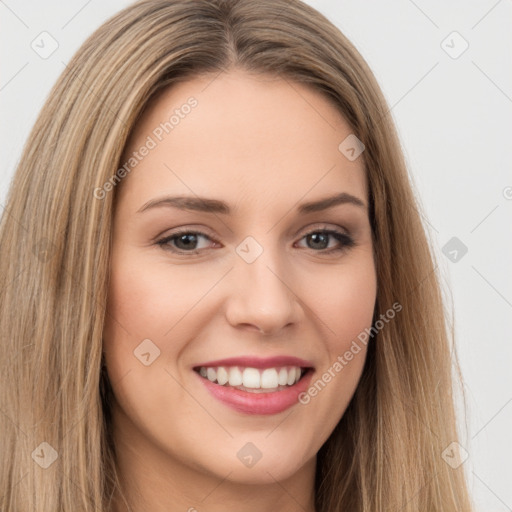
[(145, 309), (346, 310), (153, 301), (347, 306), (146, 301)]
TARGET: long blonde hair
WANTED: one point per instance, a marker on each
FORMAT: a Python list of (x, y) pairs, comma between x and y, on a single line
[(55, 236)]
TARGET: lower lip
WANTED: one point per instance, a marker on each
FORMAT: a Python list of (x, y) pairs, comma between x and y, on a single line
[(246, 402)]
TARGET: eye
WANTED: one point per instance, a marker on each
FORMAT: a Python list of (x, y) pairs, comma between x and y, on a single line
[(184, 242), (319, 239)]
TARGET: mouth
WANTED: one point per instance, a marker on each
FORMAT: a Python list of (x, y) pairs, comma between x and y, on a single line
[(251, 385), (254, 380)]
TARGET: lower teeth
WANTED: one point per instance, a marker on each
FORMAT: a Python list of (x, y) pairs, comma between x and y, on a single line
[(253, 390), (258, 390)]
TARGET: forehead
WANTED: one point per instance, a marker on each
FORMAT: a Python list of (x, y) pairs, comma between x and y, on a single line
[(243, 137)]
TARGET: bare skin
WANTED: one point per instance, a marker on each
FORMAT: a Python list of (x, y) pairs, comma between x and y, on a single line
[(264, 146)]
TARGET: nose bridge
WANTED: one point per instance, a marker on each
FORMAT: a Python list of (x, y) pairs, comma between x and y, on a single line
[(263, 296)]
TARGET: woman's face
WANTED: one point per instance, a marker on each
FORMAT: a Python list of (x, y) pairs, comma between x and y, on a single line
[(251, 264)]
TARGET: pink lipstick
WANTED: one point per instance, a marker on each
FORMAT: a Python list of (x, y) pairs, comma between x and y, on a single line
[(254, 385)]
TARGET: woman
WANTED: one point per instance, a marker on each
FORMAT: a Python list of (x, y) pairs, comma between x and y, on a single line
[(217, 293)]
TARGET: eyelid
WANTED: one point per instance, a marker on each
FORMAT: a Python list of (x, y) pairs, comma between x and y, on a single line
[(203, 230), (323, 226), (189, 228)]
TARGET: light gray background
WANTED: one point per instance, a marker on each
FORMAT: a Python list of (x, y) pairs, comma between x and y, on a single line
[(454, 117)]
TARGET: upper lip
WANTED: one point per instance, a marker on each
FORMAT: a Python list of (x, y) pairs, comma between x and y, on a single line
[(258, 362)]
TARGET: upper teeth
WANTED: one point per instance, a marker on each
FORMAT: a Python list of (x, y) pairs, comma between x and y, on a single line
[(252, 377)]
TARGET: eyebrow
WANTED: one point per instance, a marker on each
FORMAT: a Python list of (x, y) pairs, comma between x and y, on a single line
[(202, 204)]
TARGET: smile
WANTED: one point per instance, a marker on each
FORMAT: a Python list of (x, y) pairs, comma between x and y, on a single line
[(253, 385), (253, 379)]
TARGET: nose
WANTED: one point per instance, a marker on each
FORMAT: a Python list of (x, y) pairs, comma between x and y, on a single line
[(262, 296)]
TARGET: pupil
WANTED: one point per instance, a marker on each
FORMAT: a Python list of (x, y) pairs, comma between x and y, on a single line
[(183, 238), (319, 238)]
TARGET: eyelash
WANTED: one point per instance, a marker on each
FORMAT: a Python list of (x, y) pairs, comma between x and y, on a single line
[(346, 241)]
